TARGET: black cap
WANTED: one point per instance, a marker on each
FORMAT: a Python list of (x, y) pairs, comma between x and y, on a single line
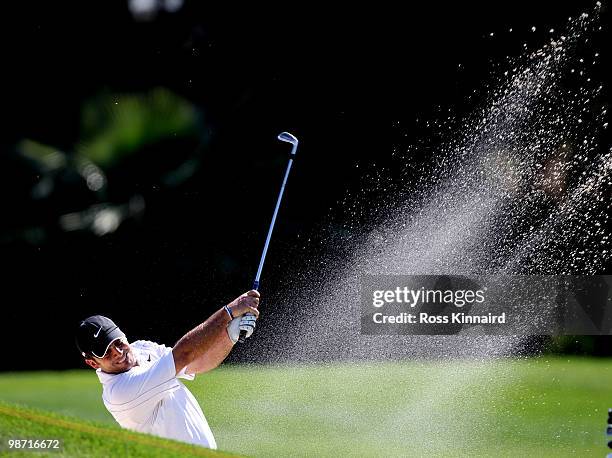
[(95, 334)]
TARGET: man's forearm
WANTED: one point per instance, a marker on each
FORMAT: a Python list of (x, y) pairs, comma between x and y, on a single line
[(210, 339), (212, 357), (209, 336)]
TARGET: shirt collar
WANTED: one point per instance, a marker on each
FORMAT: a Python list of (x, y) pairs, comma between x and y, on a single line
[(104, 377)]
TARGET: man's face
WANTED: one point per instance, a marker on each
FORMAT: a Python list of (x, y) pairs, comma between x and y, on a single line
[(118, 358)]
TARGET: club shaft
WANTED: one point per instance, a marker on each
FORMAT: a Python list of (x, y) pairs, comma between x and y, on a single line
[(267, 244)]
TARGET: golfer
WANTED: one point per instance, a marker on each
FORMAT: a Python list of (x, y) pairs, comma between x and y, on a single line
[(140, 385)]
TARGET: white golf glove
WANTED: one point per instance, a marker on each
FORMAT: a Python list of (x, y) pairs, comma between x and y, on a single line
[(242, 323)]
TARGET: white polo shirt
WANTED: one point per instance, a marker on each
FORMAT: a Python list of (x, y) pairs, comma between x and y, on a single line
[(149, 398)]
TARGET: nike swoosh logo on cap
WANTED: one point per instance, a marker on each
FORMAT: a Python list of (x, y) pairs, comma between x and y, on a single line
[(96, 334)]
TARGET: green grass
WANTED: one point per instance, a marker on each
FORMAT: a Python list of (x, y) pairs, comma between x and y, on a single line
[(78, 437), (536, 407)]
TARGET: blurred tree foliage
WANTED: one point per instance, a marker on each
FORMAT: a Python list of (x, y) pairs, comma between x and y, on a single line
[(116, 125)]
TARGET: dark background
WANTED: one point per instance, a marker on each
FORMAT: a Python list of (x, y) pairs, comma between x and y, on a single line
[(335, 77)]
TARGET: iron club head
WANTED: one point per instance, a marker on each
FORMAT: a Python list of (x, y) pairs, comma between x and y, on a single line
[(289, 138)]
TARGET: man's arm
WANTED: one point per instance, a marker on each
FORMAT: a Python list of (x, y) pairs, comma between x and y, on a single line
[(208, 344), (217, 354), (214, 356)]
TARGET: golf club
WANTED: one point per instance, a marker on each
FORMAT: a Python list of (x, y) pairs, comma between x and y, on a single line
[(289, 138)]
